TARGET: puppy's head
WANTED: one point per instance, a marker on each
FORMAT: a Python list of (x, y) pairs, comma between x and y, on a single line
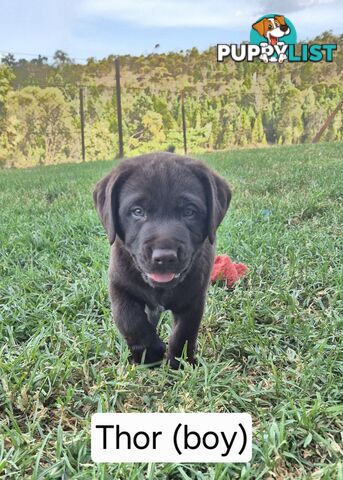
[(272, 28), (162, 207)]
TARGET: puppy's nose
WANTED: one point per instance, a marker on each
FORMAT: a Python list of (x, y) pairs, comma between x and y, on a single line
[(164, 256)]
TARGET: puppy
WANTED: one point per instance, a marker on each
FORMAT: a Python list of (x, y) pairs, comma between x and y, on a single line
[(272, 29), (160, 212)]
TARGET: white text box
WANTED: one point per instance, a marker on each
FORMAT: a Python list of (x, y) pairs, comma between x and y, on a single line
[(171, 437)]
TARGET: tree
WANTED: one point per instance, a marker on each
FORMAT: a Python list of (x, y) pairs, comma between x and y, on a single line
[(153, 125), (258, 135), (289, 125), (42, 123), (9, 60), (100, 142), (40, 60), (6, 75), (61, 58)]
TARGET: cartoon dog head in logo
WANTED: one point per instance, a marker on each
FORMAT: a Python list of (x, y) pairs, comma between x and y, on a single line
[(272, 28)]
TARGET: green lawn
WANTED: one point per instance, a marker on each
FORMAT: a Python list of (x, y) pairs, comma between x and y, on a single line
[(271, 347)]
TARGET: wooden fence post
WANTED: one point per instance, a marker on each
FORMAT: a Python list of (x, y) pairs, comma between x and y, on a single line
[(183, 123), (82, 123), (119, 112)]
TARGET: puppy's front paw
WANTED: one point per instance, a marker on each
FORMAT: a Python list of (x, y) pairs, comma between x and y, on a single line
[(154, 353)]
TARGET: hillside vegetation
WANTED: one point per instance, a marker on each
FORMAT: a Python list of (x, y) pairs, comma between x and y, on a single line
[(227, 104)]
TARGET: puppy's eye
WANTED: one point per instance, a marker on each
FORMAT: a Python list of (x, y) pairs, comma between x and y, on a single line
[(276, 24), (137, 212), (270, 27), (189, 212)]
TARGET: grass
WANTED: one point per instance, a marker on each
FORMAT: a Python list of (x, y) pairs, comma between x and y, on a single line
[(271, 347)]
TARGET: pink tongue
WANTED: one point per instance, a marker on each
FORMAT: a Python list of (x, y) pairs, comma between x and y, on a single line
[(273, 40), (161, 277)]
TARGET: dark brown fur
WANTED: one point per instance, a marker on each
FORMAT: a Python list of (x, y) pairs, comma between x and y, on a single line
[(160, 212)]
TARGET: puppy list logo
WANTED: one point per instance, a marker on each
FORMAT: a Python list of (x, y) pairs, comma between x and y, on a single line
[(273, 39)]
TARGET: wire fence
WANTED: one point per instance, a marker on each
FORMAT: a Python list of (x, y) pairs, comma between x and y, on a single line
[(181, 97), (326, 122), (116, 92)]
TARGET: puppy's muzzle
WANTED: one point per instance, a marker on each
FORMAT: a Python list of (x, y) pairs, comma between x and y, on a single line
[(164, 257)]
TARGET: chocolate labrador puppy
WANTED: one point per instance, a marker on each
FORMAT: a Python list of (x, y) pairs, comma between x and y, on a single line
[(160, 212)]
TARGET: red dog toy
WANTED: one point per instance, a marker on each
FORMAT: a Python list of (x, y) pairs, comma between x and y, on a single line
[(225, 269)]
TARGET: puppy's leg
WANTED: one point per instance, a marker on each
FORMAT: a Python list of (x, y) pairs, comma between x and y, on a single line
[(153, 314), (185, 332), (133, 324)]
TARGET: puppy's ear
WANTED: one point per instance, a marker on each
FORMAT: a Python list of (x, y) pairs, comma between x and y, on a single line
[(105, 198), (221, 195), (260, 27), (280, 19), (218, 199)]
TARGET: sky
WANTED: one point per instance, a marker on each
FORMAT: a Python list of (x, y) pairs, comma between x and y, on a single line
[(97, 28)]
